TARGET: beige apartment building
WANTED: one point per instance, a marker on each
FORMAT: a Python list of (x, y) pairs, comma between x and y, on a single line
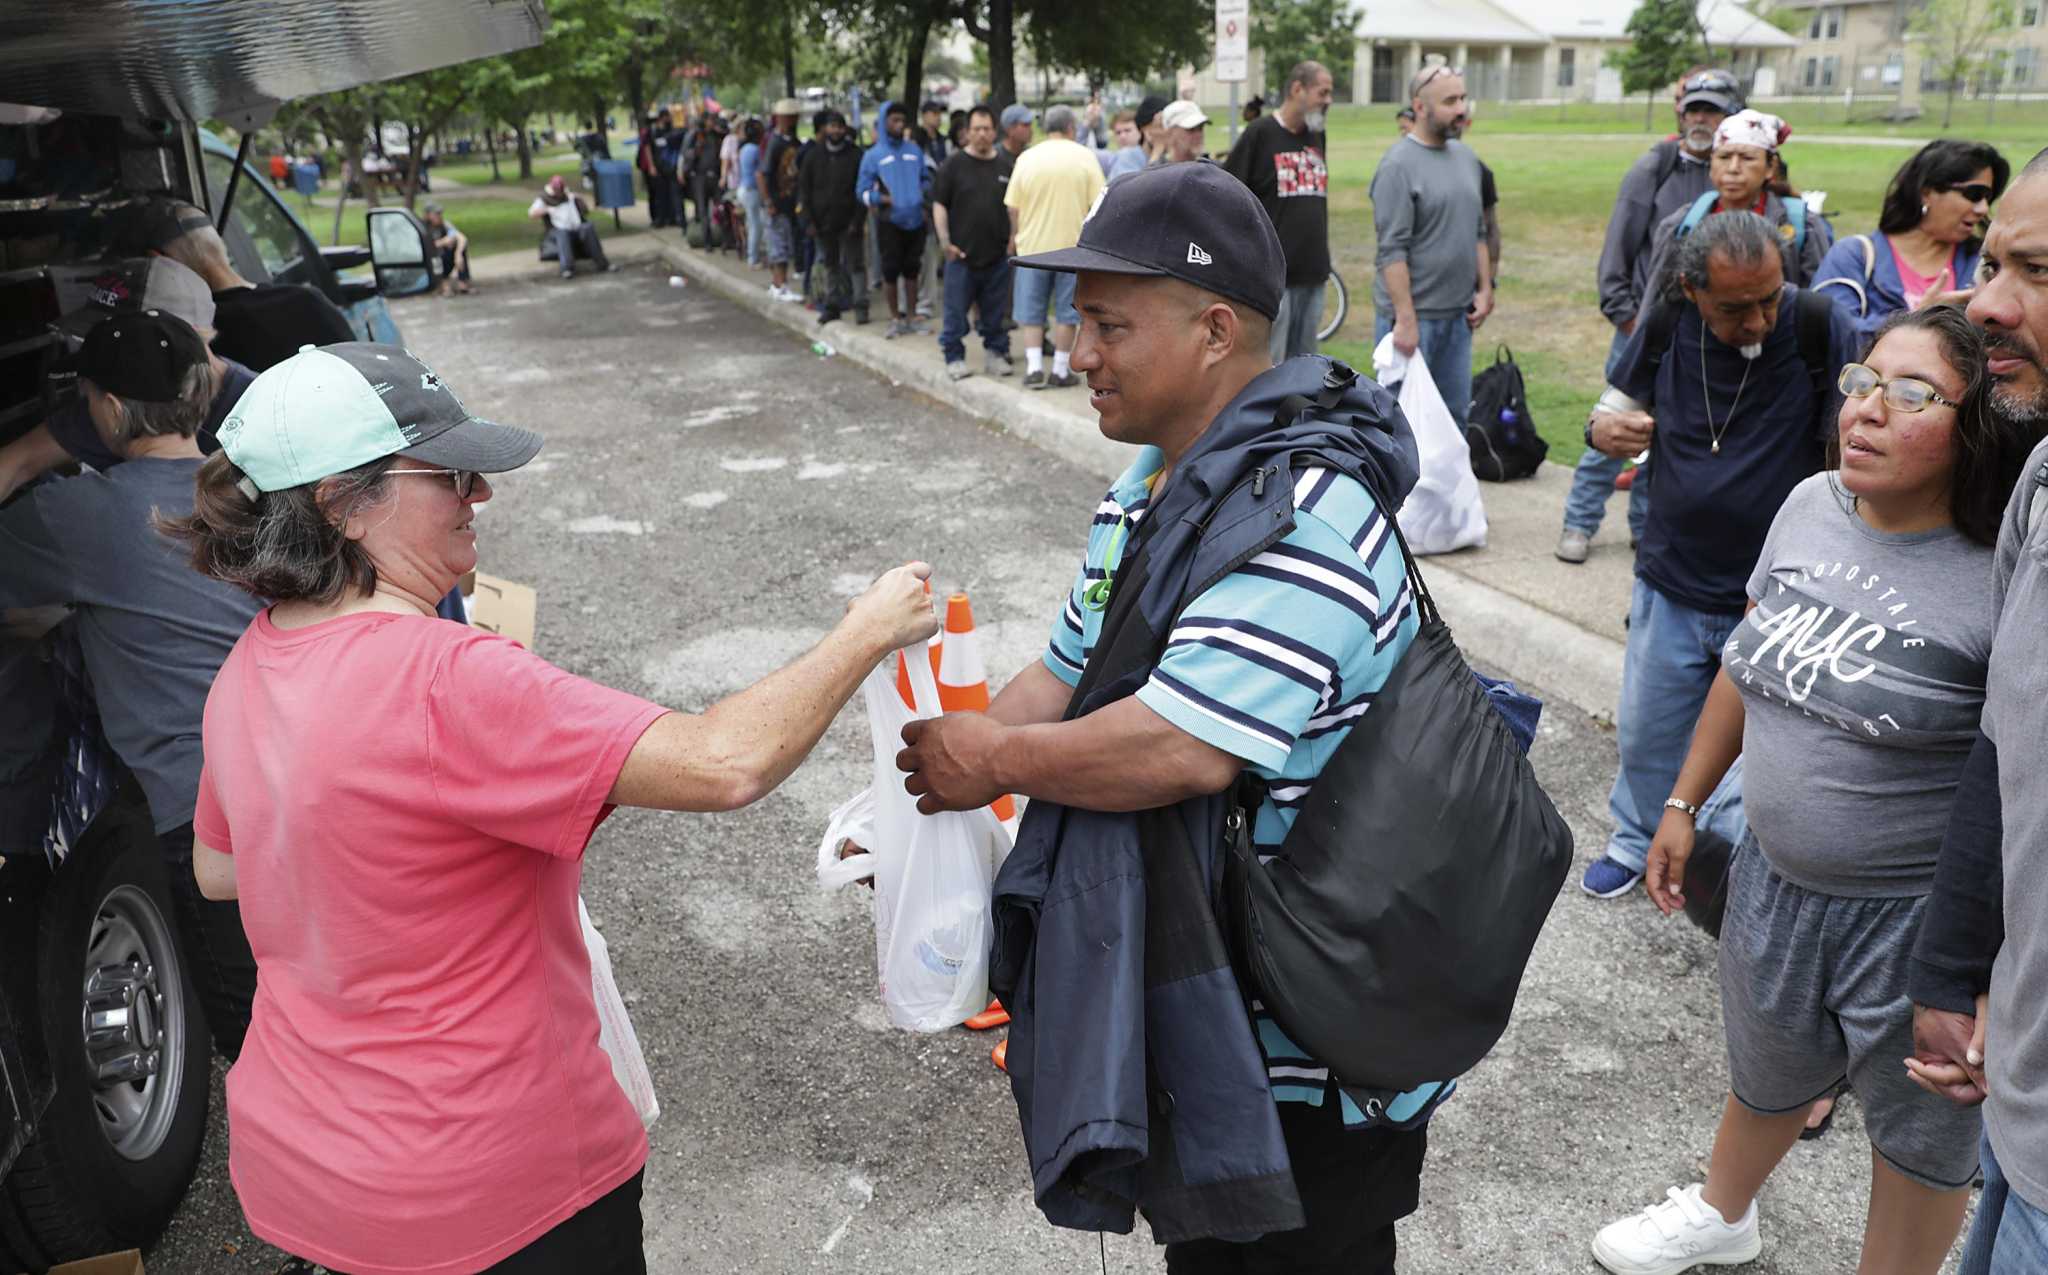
[(1860, 49)]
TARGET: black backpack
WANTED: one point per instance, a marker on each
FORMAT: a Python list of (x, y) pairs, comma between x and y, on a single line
[(1498, 429)]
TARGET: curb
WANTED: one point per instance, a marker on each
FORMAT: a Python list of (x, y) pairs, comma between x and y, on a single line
[(1493, 627)]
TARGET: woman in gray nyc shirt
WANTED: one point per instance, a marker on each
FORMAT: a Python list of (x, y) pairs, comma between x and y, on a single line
[(1852, 689)]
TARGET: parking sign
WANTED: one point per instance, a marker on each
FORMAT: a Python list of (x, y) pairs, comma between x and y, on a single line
[(1233, 45)]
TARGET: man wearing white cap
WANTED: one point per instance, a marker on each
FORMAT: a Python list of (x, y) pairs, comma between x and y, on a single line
[(1182, 123)]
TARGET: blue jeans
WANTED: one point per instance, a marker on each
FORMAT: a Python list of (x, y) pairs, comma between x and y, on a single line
[(2010, 1236), (1446, 349), (1294, 329), (988, 290), (750, 201), (1030, 292), (1672, 656), (1593, 479)]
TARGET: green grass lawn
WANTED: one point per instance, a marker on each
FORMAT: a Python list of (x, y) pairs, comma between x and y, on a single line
[(475, 170), (1556, 192), (2022, 125)]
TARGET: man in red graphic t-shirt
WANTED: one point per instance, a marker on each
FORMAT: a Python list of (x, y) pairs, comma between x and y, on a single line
[(1281, 157)]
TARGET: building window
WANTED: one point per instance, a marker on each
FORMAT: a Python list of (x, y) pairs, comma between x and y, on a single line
[(1567, 67), (1834, 23), (1825, 24), (1894, 69), (2030, 13), (1828, 66), (1812, 76), (2023, 65)]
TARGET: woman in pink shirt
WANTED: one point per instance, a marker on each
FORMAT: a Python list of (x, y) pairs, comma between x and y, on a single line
[(401, 805)]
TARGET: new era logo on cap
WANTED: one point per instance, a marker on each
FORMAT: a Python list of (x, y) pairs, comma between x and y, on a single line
[(1197, 257)]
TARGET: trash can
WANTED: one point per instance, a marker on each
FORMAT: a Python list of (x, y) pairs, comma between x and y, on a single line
[(614, 183), (306, 178)]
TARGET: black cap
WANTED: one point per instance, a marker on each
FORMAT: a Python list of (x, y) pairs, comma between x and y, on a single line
[(1192, 222), (156, 224), (1149, 109), (932, 104), (141, 354), (1716, 88)]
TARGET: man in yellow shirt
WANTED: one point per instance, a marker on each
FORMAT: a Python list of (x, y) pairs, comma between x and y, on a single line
[(1052, 188)]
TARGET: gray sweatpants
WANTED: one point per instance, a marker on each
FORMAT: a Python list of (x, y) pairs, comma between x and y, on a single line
[(1813, 988)]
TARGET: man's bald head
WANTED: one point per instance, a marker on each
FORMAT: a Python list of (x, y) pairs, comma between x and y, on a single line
[(185, 234)]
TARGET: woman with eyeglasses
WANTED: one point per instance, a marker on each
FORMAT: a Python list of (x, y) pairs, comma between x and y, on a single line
[(1852, 691), (1928, 234), (402, 806)]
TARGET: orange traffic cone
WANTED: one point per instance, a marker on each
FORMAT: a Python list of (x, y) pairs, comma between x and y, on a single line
[(994, 1016), (963, 680), (1000, 1057), (903, 672)]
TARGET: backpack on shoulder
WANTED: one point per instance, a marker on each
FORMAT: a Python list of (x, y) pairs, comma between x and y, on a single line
[(1858, 288), (1498, 429)]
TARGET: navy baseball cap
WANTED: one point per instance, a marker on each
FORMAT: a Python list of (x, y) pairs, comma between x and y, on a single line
[(1715, 88), (1192, 222)]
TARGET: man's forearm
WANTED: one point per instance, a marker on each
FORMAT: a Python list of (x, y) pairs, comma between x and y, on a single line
[(1492, 245), (1035, 695), (1963, 925), (1484, 257), (30, 456), (1120, 757), (940, 225), (1395, 275)]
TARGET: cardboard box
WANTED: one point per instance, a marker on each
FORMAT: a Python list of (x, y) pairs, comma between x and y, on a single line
[(128, 1263), (500, 606)]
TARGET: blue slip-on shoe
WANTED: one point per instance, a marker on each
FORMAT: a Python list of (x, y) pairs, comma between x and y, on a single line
[(1608, 878)]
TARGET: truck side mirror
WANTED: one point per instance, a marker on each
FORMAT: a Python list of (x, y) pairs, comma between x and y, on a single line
[(401, 252)]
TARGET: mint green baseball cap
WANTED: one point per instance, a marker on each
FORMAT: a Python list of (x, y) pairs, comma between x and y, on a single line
[(331, 408)]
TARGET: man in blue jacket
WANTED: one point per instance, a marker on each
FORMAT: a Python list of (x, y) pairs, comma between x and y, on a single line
[(1241, 602), (895, 175)]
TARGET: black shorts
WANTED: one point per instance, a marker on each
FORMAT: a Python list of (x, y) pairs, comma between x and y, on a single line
[(901, 251), (1354, 1184)]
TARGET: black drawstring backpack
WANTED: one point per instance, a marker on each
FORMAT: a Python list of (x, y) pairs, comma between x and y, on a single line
[(1389, 935), (1498, 430)]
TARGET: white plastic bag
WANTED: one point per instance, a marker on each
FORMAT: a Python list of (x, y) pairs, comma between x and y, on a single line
[(1445, 511), (614, 1029), (933, 873)]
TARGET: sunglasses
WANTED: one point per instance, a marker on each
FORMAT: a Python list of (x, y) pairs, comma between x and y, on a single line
[(465, 479), (1903, 394), (1975, 192), (1441, 68)]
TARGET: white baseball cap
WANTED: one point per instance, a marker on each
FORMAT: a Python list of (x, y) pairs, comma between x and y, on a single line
[(1182, 113)]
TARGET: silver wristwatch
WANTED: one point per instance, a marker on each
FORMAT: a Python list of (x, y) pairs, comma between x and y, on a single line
[(1676, 803)]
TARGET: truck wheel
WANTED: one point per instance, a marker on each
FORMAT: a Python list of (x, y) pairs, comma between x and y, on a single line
[(128, 1046)]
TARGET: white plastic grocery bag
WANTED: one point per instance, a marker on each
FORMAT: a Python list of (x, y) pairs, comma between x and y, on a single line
[(614, 1029), (933, 873), (1445, 511)]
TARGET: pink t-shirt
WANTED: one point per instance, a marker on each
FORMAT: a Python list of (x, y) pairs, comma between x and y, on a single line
[(1915, 286), (407, 800)]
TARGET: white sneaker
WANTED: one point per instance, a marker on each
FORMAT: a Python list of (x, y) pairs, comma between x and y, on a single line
[(1675, 1236)]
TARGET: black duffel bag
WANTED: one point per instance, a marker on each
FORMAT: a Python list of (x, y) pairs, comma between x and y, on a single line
[(1389, 935), (1498, 430)]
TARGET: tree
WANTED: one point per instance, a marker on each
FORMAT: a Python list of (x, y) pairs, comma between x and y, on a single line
[(1291, 31), (1958, 37), (424, 103), (1664, 43), (1143, 41)]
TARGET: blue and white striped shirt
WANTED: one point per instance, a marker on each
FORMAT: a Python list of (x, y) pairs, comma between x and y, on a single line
[(1274, 663)]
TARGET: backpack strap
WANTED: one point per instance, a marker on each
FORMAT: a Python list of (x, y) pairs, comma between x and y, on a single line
[(1812, 319), (1667, 163), (1697, 213), (1660, 326), (1795, 213), (1858, 288)]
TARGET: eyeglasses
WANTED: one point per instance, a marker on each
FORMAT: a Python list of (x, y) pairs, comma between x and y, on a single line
[(1441, 68), (1902, 394), (1975, 192), (465, 479)]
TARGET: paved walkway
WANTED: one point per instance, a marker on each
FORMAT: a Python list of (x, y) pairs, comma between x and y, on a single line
[(1512, 604)]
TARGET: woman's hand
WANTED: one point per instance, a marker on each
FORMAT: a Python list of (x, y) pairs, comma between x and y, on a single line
[(896, 610), (1664, 875)]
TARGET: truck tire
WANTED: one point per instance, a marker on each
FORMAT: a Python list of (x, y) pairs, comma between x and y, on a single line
[(128, 1045)]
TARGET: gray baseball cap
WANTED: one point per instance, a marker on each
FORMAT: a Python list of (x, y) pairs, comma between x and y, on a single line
[(88, 294), (333, 407), (1017, 113)]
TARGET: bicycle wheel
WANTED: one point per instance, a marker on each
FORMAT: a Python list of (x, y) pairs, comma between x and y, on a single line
[(1336, 306)]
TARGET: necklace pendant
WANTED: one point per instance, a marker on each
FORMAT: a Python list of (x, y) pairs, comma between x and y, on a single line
[(1717, 447)]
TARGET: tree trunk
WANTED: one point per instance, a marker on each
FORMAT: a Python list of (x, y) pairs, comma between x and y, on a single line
[(415, 142), (1650, 111), (491, 145), (597, 120), (913, 60), (788, 58), (1948, 110), (1002, 53), (522, 126), (633, 75)]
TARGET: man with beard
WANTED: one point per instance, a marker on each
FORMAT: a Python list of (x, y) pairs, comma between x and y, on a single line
[(833, 218), (1980, 964), (1669, 176), (1433, 285), (1281, 157), (1738, 369)]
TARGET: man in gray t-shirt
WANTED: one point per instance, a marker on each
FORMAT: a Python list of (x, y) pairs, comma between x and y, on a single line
[(1433, 279), (1861, 668)]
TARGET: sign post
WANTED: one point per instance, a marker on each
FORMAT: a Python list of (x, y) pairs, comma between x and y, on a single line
[(1233, 50)]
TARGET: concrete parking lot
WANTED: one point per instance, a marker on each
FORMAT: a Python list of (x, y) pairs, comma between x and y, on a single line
[(710, 495)]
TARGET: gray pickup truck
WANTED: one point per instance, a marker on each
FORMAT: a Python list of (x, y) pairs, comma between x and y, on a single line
[(104, 1064)]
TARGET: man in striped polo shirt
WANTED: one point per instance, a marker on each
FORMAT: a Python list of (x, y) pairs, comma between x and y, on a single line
[(1258, 662)]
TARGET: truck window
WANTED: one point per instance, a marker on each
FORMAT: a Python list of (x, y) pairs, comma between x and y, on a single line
[(276, 239)]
